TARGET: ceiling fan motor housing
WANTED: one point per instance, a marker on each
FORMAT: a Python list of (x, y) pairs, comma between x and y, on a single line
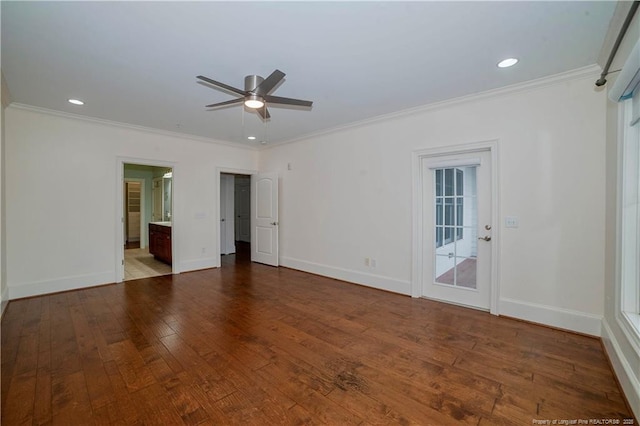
[(251, 82)]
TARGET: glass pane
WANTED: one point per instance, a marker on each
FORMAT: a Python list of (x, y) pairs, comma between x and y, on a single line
[(445, 270), (438, 183), (448, 212), (448, 182), (448, 235), (439, 212), (469, 179), (467, 246), (466, 272), (455, 227), (445, 250)]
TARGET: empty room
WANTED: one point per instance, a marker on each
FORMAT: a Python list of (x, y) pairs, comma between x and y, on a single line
[(323, 212)]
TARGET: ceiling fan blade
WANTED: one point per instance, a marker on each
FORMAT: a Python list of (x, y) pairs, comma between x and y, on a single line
[(269, 83), (222, 85), (264, 112), (287, 101), (225, 103)]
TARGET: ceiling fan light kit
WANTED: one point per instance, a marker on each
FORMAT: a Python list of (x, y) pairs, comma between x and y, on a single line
[(256, 93), (253, 101)]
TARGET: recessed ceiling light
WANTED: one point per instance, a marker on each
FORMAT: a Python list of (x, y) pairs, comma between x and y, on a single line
[(251, 138), (506, 63), (76, 102)]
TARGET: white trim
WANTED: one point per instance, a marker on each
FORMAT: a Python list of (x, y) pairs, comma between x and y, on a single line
[(625, 322), (197, 264), (581, 322), (417, 203), (629, 75), (73, 282), (622, 319), (623, 370), (219, 171), (5, 300), (590, 71), (175, 225), (370, 280), (129, 126), (470, 162)]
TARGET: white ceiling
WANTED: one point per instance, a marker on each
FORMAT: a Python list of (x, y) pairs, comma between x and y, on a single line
[(137, 62)]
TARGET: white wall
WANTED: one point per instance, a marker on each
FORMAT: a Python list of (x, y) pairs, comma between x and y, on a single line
[(61, 194), (348, 196)]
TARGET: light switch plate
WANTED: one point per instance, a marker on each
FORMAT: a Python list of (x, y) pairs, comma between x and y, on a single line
[(511, 222)]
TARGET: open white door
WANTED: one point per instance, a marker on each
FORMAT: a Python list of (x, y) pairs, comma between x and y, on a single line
[(264, 218)]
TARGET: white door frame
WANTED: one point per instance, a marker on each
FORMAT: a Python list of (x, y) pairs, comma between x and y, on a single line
[(175, 225), (227, 206), (143, 235), (418, 248), (219, 171)]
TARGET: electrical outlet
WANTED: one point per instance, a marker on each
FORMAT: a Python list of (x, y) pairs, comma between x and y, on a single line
[(367, 261)]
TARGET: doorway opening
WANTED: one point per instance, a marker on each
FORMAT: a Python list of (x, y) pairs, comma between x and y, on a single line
[(147, 219), (235, 218)]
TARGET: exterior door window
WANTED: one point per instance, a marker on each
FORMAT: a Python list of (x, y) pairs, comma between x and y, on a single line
[(455, 226)]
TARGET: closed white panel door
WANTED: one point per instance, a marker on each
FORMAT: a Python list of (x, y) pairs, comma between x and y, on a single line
[(243, 208), (457, 229), (264, 218)]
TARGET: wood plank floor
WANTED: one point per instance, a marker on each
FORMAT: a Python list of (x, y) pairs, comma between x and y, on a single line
[(251, 344)]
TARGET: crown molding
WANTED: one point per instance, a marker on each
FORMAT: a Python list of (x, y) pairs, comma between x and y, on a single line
[(144, 129), (591, 71)]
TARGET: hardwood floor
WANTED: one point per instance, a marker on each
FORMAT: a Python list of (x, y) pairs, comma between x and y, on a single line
[(252, 344)]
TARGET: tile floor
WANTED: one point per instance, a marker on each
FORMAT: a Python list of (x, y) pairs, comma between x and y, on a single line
[(138, 263)]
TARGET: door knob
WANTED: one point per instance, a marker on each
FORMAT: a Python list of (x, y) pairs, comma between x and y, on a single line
[(485, 238), (274, 223)]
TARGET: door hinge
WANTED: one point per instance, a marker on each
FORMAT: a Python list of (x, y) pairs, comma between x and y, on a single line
[(122, 262)]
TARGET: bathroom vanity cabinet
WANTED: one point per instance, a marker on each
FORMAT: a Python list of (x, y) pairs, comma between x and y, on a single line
[(160, 241)]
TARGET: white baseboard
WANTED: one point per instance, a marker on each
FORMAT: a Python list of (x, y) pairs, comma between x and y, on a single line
[(553, 316), (18, 291), (623, 370), (5, 300), (357, 277), (197, 264)]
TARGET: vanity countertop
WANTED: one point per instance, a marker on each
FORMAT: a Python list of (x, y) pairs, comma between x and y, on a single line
[(161, 223)]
